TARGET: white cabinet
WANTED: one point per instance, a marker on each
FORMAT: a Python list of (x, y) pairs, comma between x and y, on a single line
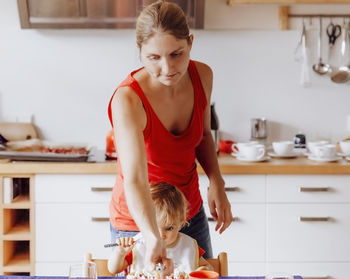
[(244, 241), (308, 224), (286, 223), (72, 218)]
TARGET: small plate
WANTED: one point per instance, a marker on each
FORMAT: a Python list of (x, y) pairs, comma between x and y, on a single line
[(343, 155), (291, 155), (265, 158), (314, 158)]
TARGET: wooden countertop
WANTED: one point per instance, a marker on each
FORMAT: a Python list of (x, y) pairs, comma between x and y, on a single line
[(228, 165)]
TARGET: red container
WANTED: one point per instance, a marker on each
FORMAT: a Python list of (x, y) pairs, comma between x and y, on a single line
[(204, 274), (111, 153)]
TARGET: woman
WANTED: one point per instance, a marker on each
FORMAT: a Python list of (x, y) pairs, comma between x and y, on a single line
[(161, 119)]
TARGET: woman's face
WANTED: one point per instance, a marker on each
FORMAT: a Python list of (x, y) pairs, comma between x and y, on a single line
[(166, 58)]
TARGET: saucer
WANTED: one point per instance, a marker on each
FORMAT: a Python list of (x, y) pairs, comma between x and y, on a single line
[(241, 158), (333, 159), (343, 154), (290, 155)]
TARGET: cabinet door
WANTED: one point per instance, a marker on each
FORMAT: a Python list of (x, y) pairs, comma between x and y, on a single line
[(244, 240), (73, 188), (308, 188), (290, 239), (239, 188), (65, 232)]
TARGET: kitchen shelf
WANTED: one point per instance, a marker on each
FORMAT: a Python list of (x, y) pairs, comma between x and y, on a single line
[(17, 225)]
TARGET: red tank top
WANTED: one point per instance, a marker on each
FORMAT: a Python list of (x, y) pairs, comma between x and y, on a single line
[(170, 158)]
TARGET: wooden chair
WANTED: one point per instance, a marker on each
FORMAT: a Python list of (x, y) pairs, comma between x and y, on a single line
[(219, 264)]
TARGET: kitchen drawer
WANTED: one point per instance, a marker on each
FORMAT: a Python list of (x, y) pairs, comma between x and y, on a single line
[(65, 232), (312, 270), (239, 188), (73, 188), (290, 239), (244, 240), (308, 188)]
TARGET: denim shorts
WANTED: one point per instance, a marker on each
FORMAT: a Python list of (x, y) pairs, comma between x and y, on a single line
[(197, 228)]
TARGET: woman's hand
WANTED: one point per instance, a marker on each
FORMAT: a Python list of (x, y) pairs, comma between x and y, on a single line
[(155, 252), (220, 207)]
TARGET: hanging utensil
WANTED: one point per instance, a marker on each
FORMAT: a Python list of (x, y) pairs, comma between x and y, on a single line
[(320, 68), (305, 72), (343, 72), (333, 32)]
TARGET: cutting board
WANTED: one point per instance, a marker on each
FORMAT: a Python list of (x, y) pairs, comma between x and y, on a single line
[(14, 131)]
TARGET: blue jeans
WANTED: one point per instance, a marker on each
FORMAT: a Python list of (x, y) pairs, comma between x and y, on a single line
[(197, 228)]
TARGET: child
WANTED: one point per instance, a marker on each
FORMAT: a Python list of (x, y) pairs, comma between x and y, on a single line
[(183, 252)]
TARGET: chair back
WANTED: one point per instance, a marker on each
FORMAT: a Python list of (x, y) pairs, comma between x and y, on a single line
[(220, 264)]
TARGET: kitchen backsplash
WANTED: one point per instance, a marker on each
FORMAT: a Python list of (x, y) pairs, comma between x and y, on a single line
[(66, 77)]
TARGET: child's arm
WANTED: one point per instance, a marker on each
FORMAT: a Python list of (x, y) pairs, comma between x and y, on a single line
[(116, 261), (204, 265)]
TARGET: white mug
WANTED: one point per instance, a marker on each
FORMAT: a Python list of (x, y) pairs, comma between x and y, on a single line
[(345, 147), (283, 147), (325, 151), (312, 144), (240, 145), (253, 151)]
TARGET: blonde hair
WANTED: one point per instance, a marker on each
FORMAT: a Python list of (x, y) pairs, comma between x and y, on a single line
[(161, 16), (170, 204)]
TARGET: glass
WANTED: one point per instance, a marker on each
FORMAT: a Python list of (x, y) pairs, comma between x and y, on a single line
[(83, 270)]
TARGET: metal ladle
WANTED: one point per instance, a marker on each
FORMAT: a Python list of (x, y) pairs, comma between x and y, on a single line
[(320, 68), (343, 72)]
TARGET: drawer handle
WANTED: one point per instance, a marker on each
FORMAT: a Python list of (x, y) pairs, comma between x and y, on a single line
[(100, 219), (211, 219), (232, 189), (314, 189), (312, 277), (314, 219), (101, 189)]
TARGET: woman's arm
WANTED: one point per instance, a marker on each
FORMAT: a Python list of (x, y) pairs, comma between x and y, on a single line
[(129, 120), (204, 265), (219, 205)]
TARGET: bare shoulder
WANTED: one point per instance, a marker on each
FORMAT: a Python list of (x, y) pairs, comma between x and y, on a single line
[(204, 70), (127, 106), (126, 98), (206, 75)]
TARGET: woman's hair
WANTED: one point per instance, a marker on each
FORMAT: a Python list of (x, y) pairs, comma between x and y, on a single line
[(170, 203), (161, 16)]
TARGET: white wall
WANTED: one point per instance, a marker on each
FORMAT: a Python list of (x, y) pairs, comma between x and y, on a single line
[(66, 77)]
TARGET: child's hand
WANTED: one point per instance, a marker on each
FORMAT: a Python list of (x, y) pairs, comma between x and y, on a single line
[(125, 244)]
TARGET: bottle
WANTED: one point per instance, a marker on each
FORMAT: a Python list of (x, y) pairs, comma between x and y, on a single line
[(214, 126)]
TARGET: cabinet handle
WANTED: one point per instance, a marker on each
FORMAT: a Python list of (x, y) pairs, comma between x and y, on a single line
[(322, 277), (100, 219), (101, 189), (314, 219), (211, 219), (232, 189), (314, 189)]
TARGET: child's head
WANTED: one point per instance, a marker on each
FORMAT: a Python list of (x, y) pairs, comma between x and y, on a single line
[(171, 209)]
